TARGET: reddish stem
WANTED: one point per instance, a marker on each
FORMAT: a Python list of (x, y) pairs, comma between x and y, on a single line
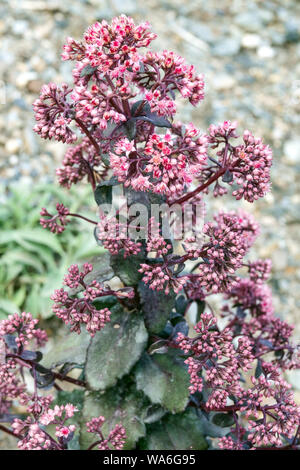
[(83, 218), (8, 431), (88, 134), (201, 188)]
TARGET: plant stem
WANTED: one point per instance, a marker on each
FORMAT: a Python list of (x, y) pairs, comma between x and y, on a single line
[(65, 378), (201, 188), (8, 431), (88, 134), (83, 218)]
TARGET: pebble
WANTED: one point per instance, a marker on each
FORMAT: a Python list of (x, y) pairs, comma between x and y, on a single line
[(223, 82), (23, 78), (249, 21), (13, 145), (266, 52), (292, 151), (226, 47), (251, 41)]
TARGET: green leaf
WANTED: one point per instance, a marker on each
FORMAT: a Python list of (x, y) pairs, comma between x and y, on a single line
[(44, 253), (20, 295), (223, 419), (8, 307), (87, 70), (159, 347), (155, 119), (103, 192), (33, 300), (258, 369), (200, 309), (175, 432), (126, 407), (157, 307), (127, 268), (140, 106), (21, 257), (69, 348), (181, 304), (107, 301), (164, 379), (115, 349), (130, 129), (40, 235)]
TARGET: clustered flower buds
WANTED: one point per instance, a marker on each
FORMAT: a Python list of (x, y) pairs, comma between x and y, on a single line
[(81, 311), (113, 236), (115, 439), (54, 114), (55, 223), (15, 334), (216, 364), (80, 161), (23, 328)]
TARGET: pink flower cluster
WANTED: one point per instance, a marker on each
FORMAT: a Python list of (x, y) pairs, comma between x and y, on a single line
[(271, 397), (33, 434), (216, 364), (115, 439), (166, 164), (162, 278), (255, 316), (230, 237), (23, 328), (259, 270), (214, 360), (11, 387), (114, 237), (252, 172), (80, 161), (81, 311), (221, 132), (177, 75), (247, 165), (53, 113), (55, 223)]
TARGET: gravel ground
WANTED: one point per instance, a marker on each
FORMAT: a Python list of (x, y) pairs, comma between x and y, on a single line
[(249, 53)]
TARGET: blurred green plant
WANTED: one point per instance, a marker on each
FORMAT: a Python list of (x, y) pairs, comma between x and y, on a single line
[(32, 260)]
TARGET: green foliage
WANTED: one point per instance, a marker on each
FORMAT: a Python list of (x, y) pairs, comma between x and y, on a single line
[(32, 260), (175, 432), (115, 349), (157, 307), (103, 192), (127, 268), (67, 348), (163, 378), (119, 405), (223, 419)]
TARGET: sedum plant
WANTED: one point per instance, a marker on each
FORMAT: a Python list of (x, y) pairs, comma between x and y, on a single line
[(143, 377)]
